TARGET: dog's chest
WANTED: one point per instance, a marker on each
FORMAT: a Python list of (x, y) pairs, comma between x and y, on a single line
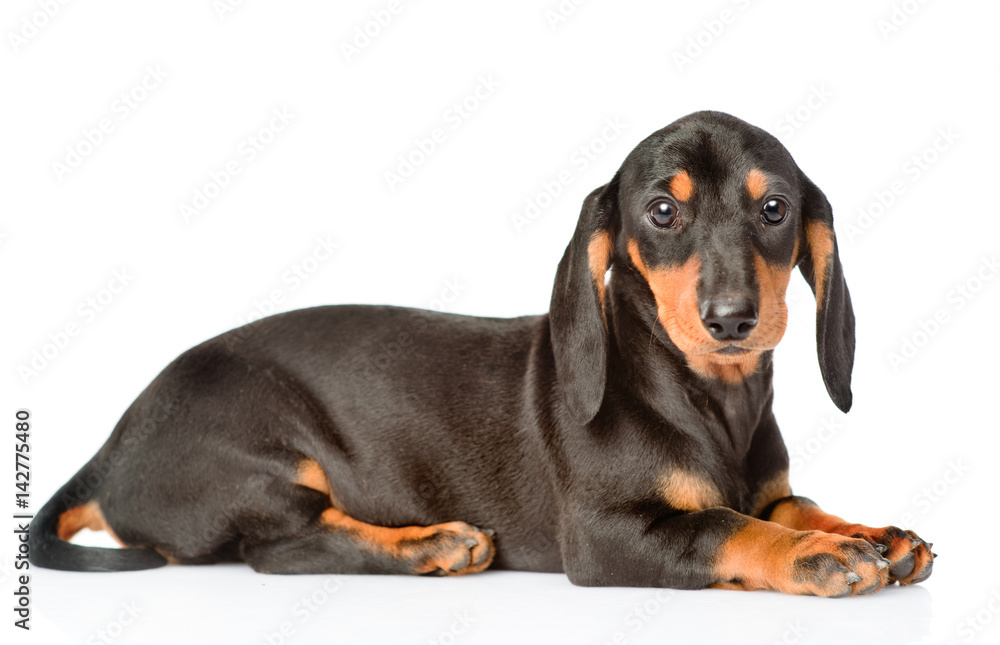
[(706, 469), (688, 490)]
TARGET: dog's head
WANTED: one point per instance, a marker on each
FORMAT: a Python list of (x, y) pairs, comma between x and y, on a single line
[(713, 214)]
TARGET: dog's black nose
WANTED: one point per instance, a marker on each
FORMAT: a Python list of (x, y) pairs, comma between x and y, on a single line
[(729, 318)]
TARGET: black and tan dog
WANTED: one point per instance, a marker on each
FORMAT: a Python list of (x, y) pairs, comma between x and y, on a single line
[(626, 438)]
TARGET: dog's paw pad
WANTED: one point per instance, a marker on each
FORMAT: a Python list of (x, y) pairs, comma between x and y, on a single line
[(455, 549)]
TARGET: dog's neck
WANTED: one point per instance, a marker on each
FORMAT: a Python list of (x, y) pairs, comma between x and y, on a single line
[(645, 365)]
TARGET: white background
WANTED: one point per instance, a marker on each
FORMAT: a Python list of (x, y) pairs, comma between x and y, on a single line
[(918, 449)]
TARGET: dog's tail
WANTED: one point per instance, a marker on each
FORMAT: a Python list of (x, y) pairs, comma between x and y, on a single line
[(69, 510)]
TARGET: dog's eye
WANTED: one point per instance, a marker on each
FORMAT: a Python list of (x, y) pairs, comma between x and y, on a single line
[(663, 213), (774, 211)]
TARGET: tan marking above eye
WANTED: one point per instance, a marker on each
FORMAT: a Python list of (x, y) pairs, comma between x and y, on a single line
[(819, 241), (681, 186), (599, 257), (756, 183), (687, 491)]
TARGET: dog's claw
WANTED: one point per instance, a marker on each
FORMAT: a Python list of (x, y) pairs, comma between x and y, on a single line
[(881, 548)]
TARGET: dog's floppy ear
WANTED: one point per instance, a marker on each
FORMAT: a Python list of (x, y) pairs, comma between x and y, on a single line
[(820, 266), (577, 313)]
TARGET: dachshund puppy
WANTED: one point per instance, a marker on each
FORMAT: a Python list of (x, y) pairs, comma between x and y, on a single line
[(625, 438)]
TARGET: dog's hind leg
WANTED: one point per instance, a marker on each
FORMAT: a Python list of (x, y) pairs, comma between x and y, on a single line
[(331, 541), (337, 543)]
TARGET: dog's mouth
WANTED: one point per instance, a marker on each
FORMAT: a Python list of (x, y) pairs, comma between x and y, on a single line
[(731, 350)]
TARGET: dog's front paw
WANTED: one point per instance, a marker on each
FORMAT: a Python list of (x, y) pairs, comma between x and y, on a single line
[(911, 557), (825, 564)]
